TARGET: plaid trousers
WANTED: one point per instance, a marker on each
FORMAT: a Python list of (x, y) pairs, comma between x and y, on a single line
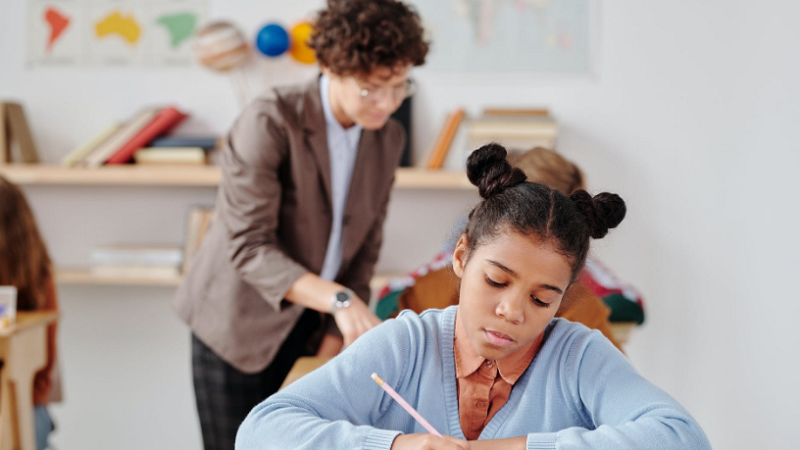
[(226, 395)]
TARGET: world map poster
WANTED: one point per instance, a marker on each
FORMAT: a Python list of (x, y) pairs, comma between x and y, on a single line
[(484, 37), (113, 32)]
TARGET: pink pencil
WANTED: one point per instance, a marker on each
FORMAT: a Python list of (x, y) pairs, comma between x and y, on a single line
[(405, 405)]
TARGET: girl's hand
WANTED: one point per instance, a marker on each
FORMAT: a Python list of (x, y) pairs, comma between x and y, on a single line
[(427, 441), (516, 443)]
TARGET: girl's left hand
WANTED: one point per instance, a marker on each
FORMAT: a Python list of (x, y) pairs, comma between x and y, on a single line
[(427, 441)]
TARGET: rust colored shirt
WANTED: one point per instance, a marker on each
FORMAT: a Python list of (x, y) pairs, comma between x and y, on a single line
[(484, 386)]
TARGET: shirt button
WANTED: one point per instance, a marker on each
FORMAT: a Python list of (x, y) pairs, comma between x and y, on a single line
[(479, 404), (489, 364)]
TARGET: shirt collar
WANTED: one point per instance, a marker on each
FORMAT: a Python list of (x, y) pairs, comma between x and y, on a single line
[(511, 367), (330, 119), (467, 359)]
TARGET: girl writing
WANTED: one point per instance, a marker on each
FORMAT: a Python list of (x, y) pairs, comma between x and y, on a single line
[(497, 370)]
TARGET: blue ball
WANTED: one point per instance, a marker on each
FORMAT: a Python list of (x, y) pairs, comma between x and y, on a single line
[(272, 40)]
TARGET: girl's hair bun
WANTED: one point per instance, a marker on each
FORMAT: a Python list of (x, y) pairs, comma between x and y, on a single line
[(488, 169), (603, 211)]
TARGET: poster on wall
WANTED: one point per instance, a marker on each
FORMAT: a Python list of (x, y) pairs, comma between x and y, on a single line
[(113, 32), (485, 37)]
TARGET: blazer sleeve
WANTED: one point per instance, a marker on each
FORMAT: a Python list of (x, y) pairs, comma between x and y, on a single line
[(249, 201)]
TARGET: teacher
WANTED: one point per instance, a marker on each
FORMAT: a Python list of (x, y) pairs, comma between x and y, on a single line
[(298, 225)]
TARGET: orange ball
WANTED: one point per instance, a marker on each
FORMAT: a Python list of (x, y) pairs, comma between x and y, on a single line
[(300, 50)]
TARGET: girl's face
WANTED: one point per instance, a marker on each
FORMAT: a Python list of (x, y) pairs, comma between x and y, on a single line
[(511, 289)]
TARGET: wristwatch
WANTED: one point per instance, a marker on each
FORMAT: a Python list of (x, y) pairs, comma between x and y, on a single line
[(341, 299)]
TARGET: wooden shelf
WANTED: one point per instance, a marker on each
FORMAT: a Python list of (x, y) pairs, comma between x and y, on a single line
[(84, 276), (133, 175), (128, 175)]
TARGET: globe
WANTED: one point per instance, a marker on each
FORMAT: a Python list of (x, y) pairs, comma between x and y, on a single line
[(220, 46)]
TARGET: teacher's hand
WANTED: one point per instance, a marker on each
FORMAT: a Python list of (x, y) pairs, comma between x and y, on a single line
[(427, 441), (355, 320)]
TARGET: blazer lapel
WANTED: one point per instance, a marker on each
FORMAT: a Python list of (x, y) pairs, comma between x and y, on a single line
[(316, 135), (362, 184)]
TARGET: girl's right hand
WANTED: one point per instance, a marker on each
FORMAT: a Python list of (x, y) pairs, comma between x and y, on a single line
[(427, 441)]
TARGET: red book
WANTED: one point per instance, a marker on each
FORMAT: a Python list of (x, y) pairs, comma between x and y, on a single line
[(167, 119)]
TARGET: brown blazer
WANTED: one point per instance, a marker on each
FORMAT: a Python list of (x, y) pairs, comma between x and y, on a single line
[(273, 220)]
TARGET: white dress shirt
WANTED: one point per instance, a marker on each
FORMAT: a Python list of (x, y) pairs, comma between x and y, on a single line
[(342, 148)]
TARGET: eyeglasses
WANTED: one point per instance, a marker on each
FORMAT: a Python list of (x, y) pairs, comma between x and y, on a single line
[(398, 93)]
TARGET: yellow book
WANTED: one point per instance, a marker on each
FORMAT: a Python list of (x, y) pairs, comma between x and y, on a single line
[(170, 155), (81, 152)]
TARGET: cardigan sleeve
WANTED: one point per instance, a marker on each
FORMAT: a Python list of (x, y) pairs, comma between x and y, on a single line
[(622, 409), (336, 405)]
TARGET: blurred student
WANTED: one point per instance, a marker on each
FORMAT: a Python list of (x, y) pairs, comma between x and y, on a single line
[(25, 264)]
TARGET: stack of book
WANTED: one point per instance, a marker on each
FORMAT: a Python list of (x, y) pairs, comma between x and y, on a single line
[(198, 223), (516, 129), (180, 150), (154, 261), (118, 143)]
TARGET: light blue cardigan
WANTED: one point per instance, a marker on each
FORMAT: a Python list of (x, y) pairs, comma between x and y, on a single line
[(579, 392)]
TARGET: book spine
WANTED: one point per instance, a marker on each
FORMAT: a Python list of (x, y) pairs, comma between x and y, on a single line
[(137, 257), (209, 143), (168, 118), (126, 132), (20, 132), (545, 130), (445, 139), (137, 260), (516, 112), (170, 155), (5, 148), (134, 271), (81, 152)]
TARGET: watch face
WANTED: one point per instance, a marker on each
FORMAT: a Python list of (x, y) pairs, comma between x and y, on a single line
[(342, 296)]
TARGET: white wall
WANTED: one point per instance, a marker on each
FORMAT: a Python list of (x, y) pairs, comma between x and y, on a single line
[(692, 118)]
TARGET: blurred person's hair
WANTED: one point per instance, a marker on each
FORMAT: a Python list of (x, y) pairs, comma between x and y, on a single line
[(549, 168), (24, 262)]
